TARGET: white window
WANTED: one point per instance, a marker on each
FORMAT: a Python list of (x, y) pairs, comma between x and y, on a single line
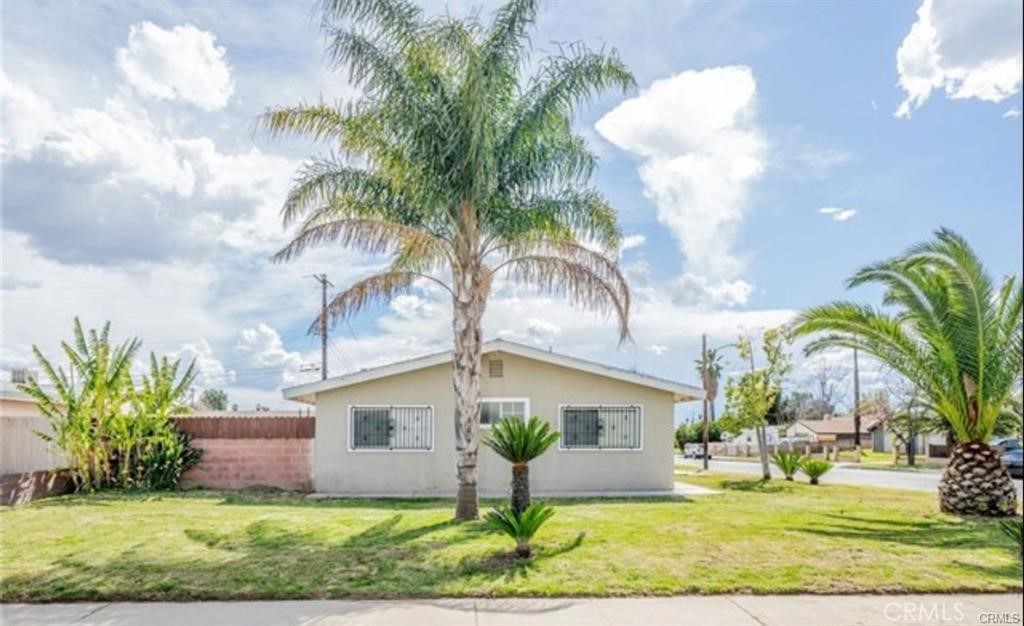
[(493, 410), (601, 427), (391, 428)]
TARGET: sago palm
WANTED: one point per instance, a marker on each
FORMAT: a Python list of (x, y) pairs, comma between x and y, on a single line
[(519, 442), (461, 170), (521, 527), (958, 338), (788, 462)]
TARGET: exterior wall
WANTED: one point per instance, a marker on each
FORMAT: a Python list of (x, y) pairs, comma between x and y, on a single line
[(338, 470), (21, 449), (239, 463), (17, 407)]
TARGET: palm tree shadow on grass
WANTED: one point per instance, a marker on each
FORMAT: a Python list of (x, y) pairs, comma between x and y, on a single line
[(927, 532), (758, 485), (272, 560)]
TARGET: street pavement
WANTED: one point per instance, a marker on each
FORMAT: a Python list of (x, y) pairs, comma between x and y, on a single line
[(843, 474), (791, 610)]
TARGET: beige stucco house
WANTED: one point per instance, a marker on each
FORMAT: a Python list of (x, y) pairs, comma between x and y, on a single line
[(390, 430)]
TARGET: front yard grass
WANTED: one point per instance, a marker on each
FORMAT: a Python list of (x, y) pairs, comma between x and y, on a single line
[(777, 537)]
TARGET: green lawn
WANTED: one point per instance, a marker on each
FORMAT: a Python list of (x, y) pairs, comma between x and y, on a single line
[(775, 538)]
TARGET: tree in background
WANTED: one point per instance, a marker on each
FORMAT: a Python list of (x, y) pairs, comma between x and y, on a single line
[(750, 397), (801, 405), (958, 338), (109, 429), (710, 369), (214, 399), (459, 169), (693, 432)]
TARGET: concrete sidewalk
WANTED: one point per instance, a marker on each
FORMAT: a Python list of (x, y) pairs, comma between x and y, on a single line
[(803, 610)]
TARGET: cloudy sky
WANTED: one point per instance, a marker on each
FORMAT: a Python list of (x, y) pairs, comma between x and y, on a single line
[(768, 151)]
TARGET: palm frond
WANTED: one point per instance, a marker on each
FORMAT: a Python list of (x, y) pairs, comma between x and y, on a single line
[(583, 287), (378, 288), (374, 236)]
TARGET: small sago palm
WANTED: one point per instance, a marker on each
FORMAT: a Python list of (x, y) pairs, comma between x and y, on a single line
[(521, 527), (788, 462), (954, 335), (815, 469), (1014, 529), (462, 170), (520, 442)]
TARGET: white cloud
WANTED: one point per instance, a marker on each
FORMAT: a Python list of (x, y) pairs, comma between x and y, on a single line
[(210, 370), (838, 214), (183, 63), (658, 349), (27, 117), (632, 241), (702, 152), (967, 49), (265, 349), (1012, 113)]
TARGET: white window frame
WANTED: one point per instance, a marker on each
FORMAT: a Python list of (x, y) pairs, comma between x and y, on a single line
[(575, 405), (525, 401), (351, 423)]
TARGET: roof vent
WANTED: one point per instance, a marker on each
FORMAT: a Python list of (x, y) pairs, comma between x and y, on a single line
[(496, 368)]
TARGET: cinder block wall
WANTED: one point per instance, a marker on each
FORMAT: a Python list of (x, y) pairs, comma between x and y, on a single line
[(251, 452)]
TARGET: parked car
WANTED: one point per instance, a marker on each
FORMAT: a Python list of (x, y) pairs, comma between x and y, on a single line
[(1013, 460), (694, 451), (1004, 444)]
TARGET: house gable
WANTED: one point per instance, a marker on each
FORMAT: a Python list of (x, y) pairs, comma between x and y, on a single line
[(493, 351)]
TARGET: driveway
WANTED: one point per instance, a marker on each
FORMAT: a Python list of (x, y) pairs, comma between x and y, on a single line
[(793, 610), (844, 474)]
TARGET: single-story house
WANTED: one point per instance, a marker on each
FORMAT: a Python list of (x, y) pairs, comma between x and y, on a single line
[(390, 430), (931, 444), (834, 430)]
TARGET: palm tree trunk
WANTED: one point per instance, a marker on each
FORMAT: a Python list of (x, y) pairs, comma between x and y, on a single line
[(467, 317), (523, 549), (976, 483), (520, 487)]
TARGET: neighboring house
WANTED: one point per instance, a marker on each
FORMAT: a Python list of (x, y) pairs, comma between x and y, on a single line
[(21, 449), (774, 435), (834, 430), (390, 430), (931, 444)]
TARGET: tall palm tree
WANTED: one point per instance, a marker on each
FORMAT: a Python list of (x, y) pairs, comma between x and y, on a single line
[(461, 170), (519, 442), (957, 338), (710, 369)]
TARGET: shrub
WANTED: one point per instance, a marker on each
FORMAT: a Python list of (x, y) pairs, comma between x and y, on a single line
[(815, 469), (1014, 529), (520, 527), (113, 430), (788, 462)]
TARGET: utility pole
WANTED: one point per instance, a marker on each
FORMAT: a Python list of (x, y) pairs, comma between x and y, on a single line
[(322, 279), (704, 383), (856, 405)]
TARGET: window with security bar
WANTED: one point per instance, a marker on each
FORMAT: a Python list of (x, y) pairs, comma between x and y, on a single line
[(593, 427), (392, 428)]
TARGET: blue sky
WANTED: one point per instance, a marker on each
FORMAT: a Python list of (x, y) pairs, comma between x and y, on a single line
[(135, 190)]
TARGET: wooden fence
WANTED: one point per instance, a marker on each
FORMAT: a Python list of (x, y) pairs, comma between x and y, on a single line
[(248, 427)]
